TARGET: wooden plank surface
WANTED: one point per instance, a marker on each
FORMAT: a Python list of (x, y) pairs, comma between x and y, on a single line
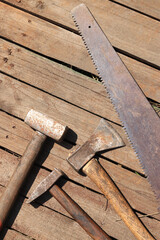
[(149, 7), (132, 37), (60, 80), (132, 185), (12, 235), (138, 40), (39, 42), (23, 97), (94, 204)]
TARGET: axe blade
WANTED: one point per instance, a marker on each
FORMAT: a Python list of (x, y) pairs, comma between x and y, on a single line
[(104, 137)]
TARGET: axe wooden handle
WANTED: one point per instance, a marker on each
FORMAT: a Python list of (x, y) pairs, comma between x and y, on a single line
[(78, 214), (103, 181)]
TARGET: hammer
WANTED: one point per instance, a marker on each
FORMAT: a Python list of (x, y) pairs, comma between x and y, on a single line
[(69, 204), (104, 138), (45, 126)]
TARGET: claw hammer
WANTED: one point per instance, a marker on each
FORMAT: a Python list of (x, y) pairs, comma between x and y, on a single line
[(44, 127)]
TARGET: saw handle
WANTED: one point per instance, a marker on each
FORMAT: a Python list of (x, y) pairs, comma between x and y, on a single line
[(9, 195), (103, 181), (81, 217)]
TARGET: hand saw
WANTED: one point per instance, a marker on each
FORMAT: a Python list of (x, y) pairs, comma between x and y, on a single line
[(139, 119)]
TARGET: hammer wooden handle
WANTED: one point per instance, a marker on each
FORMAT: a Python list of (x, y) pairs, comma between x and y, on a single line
[(78, 214), (103, 181), (8, 197)]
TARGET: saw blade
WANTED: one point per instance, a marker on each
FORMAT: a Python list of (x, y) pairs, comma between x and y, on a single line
[(139, 119)]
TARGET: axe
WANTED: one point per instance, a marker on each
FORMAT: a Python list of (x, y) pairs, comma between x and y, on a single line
[(81, 217), (105, 138)]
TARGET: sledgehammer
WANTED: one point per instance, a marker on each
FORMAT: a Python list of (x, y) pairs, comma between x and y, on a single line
[(44, 127), (105, 137), (81, 217)]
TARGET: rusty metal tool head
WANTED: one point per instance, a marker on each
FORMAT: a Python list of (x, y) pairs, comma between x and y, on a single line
[(103, 138), (46, 184), (44, 127), (82, 218)]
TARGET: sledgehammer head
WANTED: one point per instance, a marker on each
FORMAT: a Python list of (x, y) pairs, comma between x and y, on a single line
[(45, 125), (104, 137), (46, 184)]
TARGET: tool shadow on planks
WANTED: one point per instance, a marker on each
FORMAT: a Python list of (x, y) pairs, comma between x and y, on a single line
[(44, 127)]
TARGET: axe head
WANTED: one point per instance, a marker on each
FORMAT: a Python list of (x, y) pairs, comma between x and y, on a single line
[(104, 137), (46, 184)]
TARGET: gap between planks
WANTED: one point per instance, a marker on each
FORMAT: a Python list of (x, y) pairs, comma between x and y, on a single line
[(94, 204), (134, 187), (127, 28), (23, 98), (147, 8), (55, 78)]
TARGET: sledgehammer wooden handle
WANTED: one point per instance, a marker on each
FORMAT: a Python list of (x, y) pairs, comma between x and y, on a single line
[(78, 214), (103, 181), (8, 197)]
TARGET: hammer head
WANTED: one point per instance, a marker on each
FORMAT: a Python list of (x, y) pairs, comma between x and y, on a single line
[(46, 184), (104, 137), (45, 125)]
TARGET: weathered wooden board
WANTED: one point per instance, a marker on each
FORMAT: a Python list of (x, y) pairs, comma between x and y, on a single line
[(149, 7), (73, 99), (76, 88), (138, 39), (12, 235), (137, 34), (23, 97), (94, 204), (134, 187), (42, 223)]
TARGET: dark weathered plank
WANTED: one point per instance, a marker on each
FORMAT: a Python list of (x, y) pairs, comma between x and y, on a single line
[(134, 187), (148, 7), (94, 204), (23, 97), (127, 30)]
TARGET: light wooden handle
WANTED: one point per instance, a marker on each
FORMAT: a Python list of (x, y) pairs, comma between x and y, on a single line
[(103, 181), (84, 220), (9, 195)]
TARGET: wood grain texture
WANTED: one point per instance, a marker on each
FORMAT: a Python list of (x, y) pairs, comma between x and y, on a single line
[(12, 235), (78, 214), (23, 98), (94, 204), (98, 175), (9, 195), (60, 81), (148, 7), (134, 38), (135, 188), (42, 223)]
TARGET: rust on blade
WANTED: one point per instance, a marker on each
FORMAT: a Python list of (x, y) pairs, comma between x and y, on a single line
[(45, 125), (139, 119), (104, 137), (45, 184)]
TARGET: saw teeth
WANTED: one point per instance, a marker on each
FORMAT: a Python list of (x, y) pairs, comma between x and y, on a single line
[(132, 144)]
